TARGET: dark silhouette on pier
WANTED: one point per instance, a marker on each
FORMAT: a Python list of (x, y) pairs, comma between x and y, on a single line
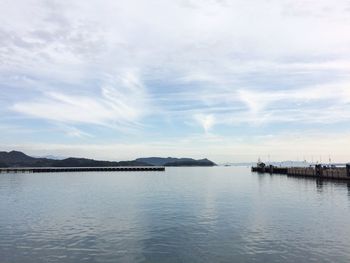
[(317, 171)]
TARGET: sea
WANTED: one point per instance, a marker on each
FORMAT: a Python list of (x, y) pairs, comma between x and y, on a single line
[(185, 214)]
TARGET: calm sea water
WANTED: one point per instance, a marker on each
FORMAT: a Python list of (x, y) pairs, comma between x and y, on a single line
[(219, 214)]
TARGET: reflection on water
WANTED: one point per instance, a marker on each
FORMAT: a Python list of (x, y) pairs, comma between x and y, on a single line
[(319, 185), (219, 214)]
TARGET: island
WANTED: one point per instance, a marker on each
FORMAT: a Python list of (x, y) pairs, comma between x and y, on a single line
[(20, 159)]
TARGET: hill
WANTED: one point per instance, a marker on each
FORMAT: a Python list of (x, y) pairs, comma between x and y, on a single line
[(19, 159), (170, 161)]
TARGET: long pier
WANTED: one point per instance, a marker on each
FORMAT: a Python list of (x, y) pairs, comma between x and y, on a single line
[(81, 169), (317, 171)]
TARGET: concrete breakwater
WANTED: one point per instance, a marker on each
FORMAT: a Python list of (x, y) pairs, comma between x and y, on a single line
[(81, 169), (317, 171)]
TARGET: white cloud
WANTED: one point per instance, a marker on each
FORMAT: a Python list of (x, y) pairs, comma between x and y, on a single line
[(73, 131), (146, 33), (121, 103), (131, 64), (325, 104), (206, 121)]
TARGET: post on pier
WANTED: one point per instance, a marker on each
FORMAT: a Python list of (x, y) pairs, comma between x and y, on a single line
[(348, 170), (319, 170)]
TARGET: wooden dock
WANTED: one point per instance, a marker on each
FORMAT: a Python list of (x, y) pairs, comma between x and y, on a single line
[(81, 169), (317, 171)]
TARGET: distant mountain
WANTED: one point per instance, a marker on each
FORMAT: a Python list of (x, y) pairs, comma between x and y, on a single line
[(53, 157), (159, 160), (202, 162), (2, 165), (19, 159), (83, 162), (170, 161)]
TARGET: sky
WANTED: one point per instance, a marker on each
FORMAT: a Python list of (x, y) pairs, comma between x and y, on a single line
[(228, 80)]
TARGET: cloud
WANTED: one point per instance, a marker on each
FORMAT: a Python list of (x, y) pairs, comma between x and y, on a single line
[(301, 105), (74, 132), (121, 103), (103, 68), (206, 121)]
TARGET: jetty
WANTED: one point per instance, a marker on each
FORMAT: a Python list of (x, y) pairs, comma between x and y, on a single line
[(81, 169), (317, 171)]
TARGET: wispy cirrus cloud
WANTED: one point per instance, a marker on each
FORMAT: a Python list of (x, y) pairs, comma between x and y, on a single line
[(167, 69), (121, 103)]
